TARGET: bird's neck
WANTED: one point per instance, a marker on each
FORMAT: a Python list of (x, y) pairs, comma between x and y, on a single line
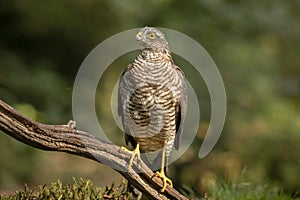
[(152, 55)]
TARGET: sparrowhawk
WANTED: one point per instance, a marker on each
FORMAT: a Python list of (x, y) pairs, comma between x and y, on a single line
[(152, 100)]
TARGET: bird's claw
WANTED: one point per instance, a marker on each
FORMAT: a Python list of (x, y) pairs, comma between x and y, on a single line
[(165, 180), (135, 153)]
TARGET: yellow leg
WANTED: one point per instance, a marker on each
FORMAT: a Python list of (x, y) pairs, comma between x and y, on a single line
[(135, 153), (162, 175)]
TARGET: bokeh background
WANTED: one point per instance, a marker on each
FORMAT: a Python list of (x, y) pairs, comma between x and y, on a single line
[(255, 44)]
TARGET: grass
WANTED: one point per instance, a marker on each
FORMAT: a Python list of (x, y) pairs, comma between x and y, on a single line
[(247, 191), (86, 190), (242, 191)]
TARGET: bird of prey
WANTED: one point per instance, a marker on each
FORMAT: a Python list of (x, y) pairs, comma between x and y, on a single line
[(152, 100)]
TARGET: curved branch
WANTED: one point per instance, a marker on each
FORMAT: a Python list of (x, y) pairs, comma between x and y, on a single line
[(67, 139)]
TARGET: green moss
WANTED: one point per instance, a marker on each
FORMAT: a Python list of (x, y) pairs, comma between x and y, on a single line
[(86, 190), (83, 189)]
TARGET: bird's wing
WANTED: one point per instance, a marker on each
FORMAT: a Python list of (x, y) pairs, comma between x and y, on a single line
[(181, 109), (123, 93)]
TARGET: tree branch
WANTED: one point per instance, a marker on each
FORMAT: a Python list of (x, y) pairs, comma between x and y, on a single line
[(65, 138)]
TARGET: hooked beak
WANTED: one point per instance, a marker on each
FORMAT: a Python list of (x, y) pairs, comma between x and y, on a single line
[(138, 36)]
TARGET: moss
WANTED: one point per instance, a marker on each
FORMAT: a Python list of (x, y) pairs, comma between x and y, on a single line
[(82, 189), (86, 190)]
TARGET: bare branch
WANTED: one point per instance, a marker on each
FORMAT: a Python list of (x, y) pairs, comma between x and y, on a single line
[(65, 138)]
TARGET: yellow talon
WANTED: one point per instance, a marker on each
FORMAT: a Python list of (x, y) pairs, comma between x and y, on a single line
[(135, 153), (165, 179), (162, 175)]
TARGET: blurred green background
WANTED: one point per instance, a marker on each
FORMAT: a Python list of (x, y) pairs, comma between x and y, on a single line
[(255, 44)]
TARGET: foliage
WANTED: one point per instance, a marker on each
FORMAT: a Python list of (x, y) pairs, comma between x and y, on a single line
[(248, 191), (83, 189), (240, 191)]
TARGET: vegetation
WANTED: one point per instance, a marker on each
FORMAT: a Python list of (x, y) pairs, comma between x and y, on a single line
[(248, 191), (85, 189)]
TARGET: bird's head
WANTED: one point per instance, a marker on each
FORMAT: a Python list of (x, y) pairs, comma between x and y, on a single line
[(152, 38)]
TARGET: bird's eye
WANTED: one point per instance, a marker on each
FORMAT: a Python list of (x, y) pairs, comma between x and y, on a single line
[(151, 35)]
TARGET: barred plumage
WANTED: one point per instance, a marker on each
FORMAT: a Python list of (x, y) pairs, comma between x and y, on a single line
[(152, 96)]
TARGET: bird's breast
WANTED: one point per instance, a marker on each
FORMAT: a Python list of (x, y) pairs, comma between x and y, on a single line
[(153, 92)]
